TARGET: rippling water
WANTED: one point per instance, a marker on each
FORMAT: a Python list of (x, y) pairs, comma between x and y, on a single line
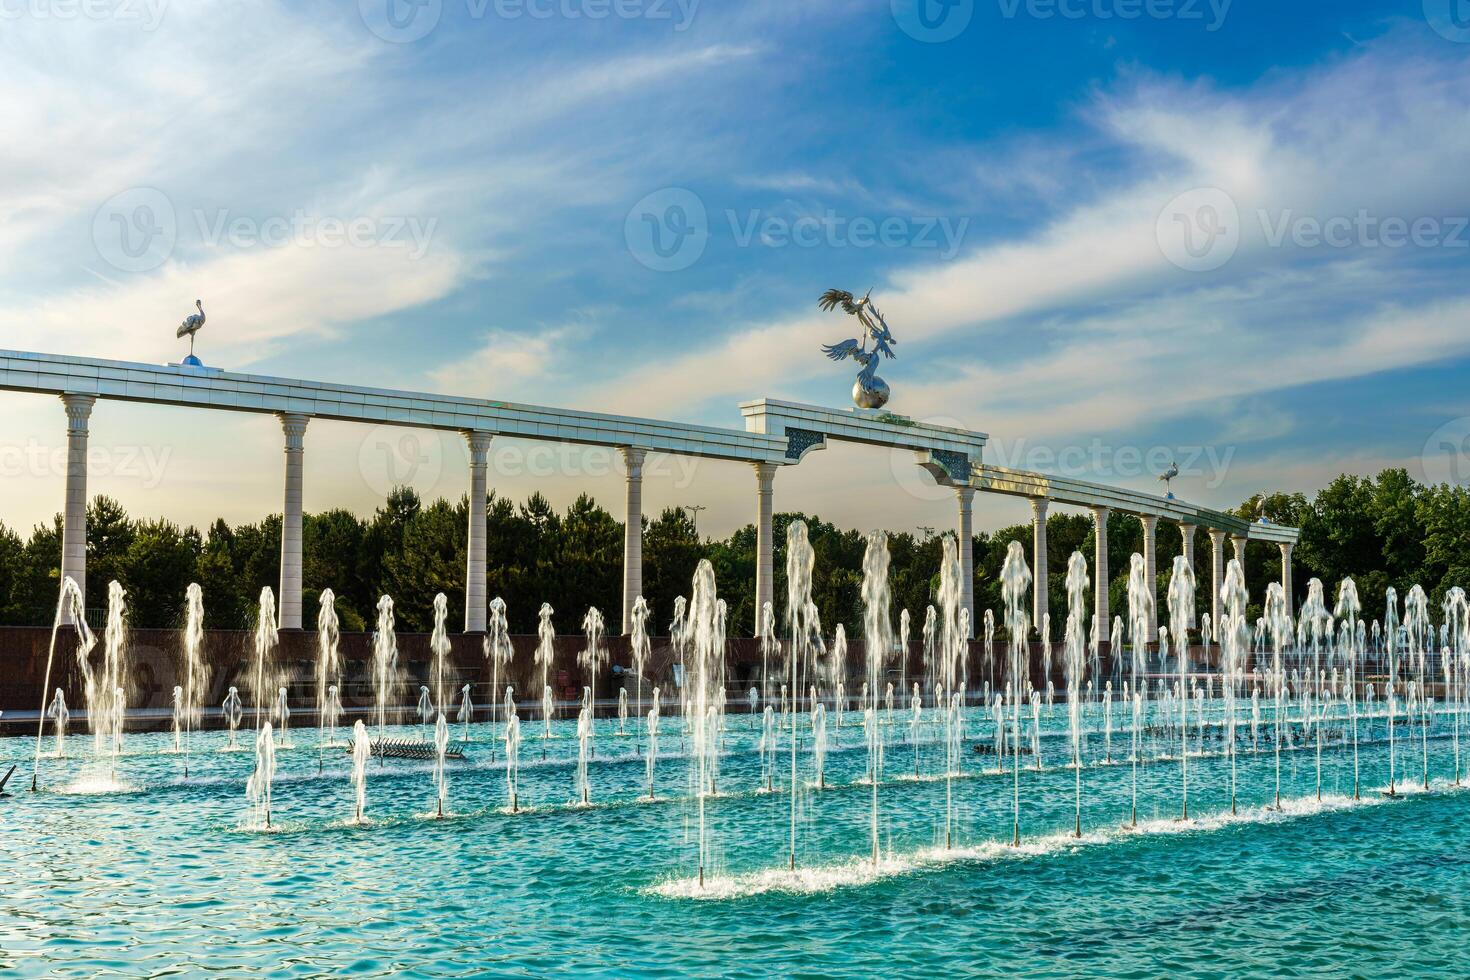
[(167, 876)]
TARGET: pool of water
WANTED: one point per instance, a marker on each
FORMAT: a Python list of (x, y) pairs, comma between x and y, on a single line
[(164, 874)]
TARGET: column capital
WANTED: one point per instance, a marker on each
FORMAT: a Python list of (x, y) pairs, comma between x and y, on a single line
[(633, 458), (1101, 513), (965, 495), (1286, 548), (765, 473), (294, 425), (1186, 530), (1038, 508), (479, 442), (1217, 536), (78, 411), (1149, 521)]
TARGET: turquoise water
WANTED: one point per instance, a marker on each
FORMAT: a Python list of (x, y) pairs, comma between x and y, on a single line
[(169, 877)]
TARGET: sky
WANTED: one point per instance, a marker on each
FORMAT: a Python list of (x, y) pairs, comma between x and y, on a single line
[(1110, 233)]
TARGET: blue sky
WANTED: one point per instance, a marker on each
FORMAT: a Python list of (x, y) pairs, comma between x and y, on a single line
[(1232, 232)]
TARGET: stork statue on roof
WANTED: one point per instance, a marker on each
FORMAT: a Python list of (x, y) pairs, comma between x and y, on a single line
[(870, 391), (192, 324)]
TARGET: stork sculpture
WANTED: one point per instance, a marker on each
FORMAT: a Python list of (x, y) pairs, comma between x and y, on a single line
[(192, 324), (870, 391), (1168, 477)]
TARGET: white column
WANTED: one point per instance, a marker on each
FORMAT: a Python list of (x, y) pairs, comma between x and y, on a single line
[(475, 590), (765, 560), (1217, 576), (1286, 549), (1100, 611), (1040, 601), (1151, 569), (289, 604), (1239, 541), (1186, 540), (966, 533), (632, 534), (74, 521)]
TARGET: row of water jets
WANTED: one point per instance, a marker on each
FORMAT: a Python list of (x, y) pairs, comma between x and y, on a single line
[(1302, 679)]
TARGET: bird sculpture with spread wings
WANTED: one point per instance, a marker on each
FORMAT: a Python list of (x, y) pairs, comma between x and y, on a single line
[(192, 324), (870, 391)]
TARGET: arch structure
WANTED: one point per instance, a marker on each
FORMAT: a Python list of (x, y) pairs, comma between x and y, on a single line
[(776, 434)]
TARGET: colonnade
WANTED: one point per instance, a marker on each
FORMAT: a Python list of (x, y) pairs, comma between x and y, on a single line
[(294, 425)]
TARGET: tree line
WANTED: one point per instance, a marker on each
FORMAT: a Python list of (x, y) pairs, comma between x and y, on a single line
[(1383, 531)]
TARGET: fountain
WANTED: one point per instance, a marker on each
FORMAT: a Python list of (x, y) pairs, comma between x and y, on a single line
[(328, 665), (233, 710), (102, 682), (267, 638), (282, 714), (1181, 610), (512, 759), (497, 647), (441, 777), (640, 647), (195, 676), (1075, 654), (545, 654), (594, 653), (362, 751), (385, 666), (1234, 645), (652, 741), (804, 634), (1015, 579), (258, 787)]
